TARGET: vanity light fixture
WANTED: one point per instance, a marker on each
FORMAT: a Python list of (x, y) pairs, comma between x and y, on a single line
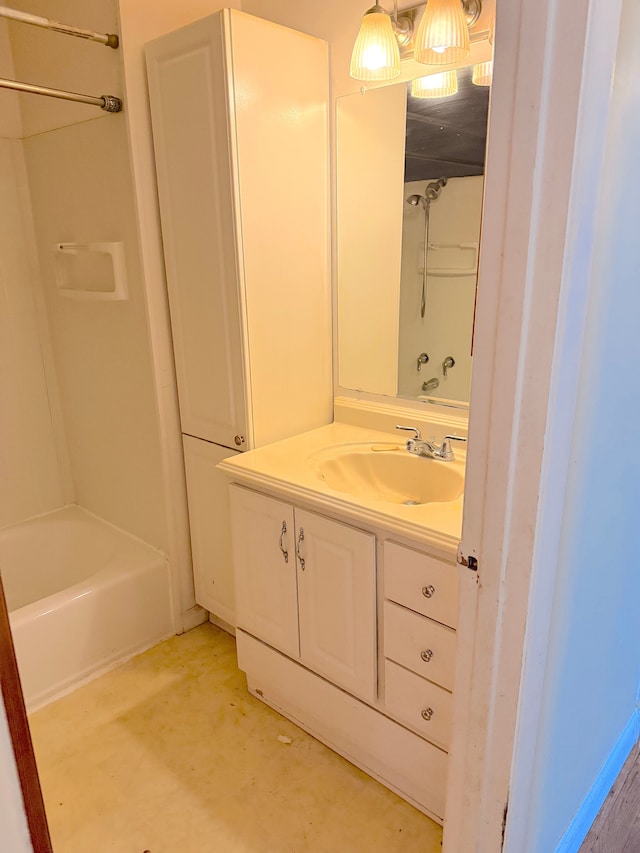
[(376, 55), (435, 85), (443, 34), (482, 73), (442, 37)]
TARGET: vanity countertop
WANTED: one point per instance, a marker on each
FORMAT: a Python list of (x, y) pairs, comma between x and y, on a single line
[(292, 469)]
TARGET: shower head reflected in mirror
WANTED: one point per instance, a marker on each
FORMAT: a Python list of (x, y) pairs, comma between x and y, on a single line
[(416, 199), (434, 189), (431, 192)]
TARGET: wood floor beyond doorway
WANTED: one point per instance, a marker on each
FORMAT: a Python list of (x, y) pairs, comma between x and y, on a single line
[(617, 827)]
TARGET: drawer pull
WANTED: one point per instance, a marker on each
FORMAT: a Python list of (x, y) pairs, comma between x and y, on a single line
[(427, 713), (285, 553), (428, 591), (426, 655)]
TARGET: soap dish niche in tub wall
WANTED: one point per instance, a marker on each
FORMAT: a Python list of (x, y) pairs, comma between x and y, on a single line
[(91, 271)]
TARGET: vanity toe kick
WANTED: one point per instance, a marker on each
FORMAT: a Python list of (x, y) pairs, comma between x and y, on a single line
[(412, 767)]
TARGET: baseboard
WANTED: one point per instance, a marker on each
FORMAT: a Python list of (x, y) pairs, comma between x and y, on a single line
[(588, 811), (193, 617), (222, 623)]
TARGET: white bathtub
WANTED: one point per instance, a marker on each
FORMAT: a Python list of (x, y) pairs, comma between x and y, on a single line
[(82, 596)]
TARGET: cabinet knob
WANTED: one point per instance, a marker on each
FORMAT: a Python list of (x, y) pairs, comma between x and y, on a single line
[(426, 655), (428, 591), (239, 440), (426, 713)]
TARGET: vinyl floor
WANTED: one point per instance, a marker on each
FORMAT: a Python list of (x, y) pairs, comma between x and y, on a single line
[(168, 753)]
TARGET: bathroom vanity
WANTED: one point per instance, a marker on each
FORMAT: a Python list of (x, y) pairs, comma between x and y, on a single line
[(347, 597)]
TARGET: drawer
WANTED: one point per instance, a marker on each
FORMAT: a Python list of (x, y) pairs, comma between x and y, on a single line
[(422, 583), (418, 703), (420, 644)]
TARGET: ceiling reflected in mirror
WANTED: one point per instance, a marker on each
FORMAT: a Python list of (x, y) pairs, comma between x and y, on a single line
[(447, 136)]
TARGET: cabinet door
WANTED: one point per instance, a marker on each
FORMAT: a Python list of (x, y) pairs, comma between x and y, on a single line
[(265, 568), (190, 117), (208, 493), (337, 602)]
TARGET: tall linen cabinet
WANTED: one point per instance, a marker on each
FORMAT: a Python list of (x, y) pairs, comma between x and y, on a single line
[(239, 112)]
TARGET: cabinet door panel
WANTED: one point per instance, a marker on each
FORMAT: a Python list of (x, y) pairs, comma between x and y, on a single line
[(337, 602), (208, 494), (266, 595), (190, 117)]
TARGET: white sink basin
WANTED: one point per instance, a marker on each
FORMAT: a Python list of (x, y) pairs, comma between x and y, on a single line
[(391, 474)]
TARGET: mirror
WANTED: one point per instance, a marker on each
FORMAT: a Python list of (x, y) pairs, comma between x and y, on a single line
[(409, 190)]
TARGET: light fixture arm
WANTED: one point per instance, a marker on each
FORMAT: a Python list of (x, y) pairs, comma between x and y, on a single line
[(402, 26), (473, 10)]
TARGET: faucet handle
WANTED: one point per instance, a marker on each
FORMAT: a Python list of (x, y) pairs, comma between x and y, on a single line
[(454, 437), (414, 430), (446, 451)]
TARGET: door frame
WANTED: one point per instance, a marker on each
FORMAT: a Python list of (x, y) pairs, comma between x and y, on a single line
[(547, 129), (20, 735)]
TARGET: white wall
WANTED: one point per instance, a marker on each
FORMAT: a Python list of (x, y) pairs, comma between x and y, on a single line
[(447, 327), (593, 664), (32, 480), (63, 62), (81, 191), (80, 183), (10, 118)]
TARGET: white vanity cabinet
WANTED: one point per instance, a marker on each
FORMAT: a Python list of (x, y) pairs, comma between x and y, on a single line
[(333, 632), (246, 251), (306, 585)]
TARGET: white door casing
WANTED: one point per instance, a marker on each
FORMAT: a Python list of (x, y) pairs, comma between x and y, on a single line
[(552, 76)]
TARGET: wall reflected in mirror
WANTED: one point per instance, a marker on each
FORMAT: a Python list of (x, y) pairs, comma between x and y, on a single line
[(409, 192)]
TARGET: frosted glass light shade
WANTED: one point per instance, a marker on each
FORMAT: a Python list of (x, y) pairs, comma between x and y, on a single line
[(435, 85), (376, 55), (443, 35), (483, 73)]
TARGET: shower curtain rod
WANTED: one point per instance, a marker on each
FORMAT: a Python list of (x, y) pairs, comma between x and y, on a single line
[(108, 39), (109, 103)]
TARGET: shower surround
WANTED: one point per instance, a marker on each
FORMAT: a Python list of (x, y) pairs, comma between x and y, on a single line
[(80, 456)]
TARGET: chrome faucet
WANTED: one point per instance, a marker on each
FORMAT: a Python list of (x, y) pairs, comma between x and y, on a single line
[(429, 449)]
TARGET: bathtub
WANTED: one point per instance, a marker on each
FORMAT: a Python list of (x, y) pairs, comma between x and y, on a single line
[(82, 596)]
